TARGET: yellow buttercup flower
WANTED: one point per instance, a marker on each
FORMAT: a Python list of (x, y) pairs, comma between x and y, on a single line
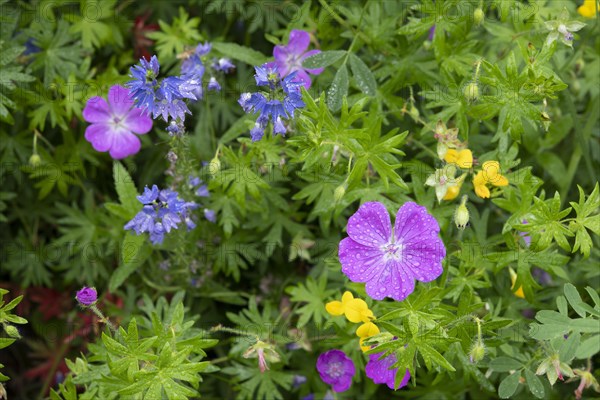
[(490, 173), (513, 279), (462, 158), (355, 310), (454, 191), (364, 332), (589, 8)]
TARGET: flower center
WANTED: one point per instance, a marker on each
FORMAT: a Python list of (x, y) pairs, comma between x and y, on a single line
[(335, 370), (392, 250), (293, 62)]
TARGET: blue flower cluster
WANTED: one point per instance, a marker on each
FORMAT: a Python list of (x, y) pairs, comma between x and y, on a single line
[(166, 98), (163, 210), (277, 104), (201, 190)]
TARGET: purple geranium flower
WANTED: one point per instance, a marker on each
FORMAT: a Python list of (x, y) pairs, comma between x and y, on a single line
[(336, 369), (87, 296), (113, 124), (379, 370), (289, 58), (525, 235), (389, 260)]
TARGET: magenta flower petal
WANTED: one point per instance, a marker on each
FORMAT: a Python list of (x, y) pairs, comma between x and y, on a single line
[(336, 369), (302, 76), (138, 121), (378, 370), (96, 135), (86, 296), (393, 280), (370, 225), (388, 261), (124, 144), (413, 222), (119, 100), (314, 71), (358, 261), (114, 123), (289, 58), (281, 56), (96, 110), (299, 41)]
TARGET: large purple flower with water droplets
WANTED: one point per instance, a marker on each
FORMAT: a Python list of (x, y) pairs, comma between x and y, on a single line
[(389, 260), (115, 124), (289, 58), (336, 369), (379, 370)]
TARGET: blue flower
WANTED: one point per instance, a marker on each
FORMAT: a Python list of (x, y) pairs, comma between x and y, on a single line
[(149, 195), (223, 65), (193, 64), (162, 212), (143, 86), (210, 215), (213, 84), (284, 98), (201, 189), (191, 86)]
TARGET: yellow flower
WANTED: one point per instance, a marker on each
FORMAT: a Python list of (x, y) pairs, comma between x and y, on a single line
[(454, 191), (588, 8), (462, 158), (355, 310), (513, 279), (364, 332), (490, 173)]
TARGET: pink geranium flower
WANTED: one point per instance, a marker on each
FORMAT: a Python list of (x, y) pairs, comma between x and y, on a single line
[(289, 58), (114, 124)]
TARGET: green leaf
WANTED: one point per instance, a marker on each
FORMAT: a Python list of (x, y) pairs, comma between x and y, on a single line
[(432, 355), (574, 299), (313, 293), (241, 53), (363, 76), (504, 364), (133, 254), (172, 39), (338, 89), (588, 347), (126, 190), (569, 347), (323, 59), (509, 385), (535, 385)]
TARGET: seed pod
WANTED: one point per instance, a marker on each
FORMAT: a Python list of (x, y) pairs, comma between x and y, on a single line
[(478, 16), (471, 92), (461, 215), (35, 160), (339, 192), (477, 351)]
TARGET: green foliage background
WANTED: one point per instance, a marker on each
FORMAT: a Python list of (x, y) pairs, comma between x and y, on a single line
[(269, 265)]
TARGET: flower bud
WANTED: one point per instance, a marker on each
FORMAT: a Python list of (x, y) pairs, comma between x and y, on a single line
[(442, 149), (214, 166), (471, 92), (35, 160), (461, 215), (12, 331), (414, 112), (87, 296), (477, 352), (339, 192), (478, 16)]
